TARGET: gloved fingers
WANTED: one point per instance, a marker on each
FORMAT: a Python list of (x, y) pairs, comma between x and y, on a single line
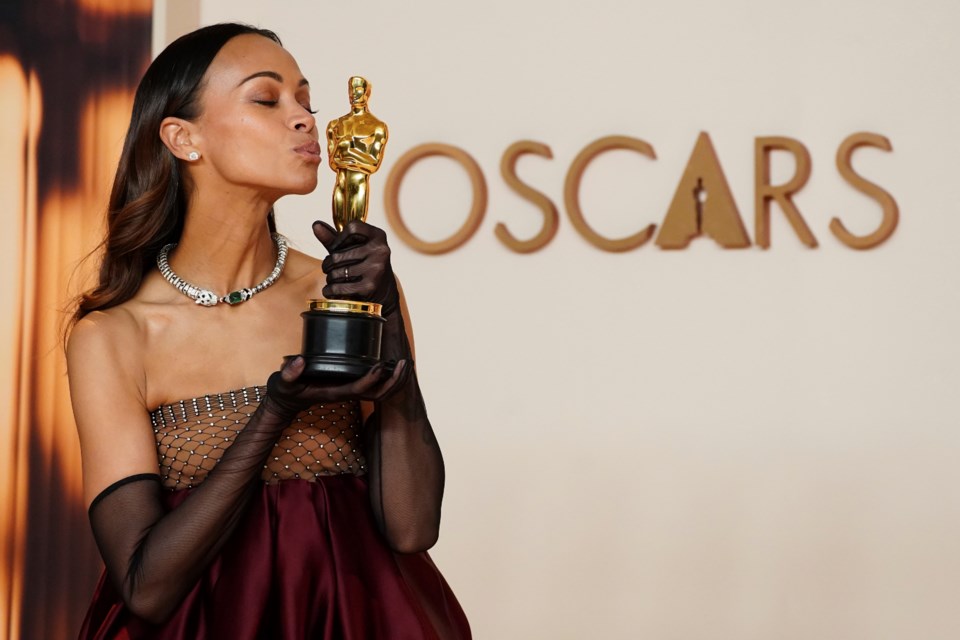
[(356, 233), (369, 262), (325, 233), (289, 391), (347, 288), (349, 240), (345, 259), (358, 264), (292, 368), (370, 273), (346, 284), (359, 228), (349, 273), (387, 381)]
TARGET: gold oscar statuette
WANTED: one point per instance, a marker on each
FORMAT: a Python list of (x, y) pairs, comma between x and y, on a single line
[(341, 338), (355, 144)]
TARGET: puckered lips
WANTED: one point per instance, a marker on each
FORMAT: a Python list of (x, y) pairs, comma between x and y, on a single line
[(310, 150)]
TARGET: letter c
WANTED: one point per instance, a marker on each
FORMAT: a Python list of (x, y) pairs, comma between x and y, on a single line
[(571, 193)]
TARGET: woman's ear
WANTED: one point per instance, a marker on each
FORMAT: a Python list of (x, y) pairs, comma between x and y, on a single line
[(176, 134)]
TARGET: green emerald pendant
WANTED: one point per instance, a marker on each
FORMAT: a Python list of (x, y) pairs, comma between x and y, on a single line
[(235, 297)]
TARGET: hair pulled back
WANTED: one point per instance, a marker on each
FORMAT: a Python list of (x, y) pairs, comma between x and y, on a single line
[(149, 197)]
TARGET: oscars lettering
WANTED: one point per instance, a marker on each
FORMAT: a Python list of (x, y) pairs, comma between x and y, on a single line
[(702, 205)]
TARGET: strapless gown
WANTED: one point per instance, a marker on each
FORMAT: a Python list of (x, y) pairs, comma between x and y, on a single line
[(307, 560)]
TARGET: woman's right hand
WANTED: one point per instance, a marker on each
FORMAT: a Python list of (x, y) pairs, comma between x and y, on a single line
[(288, 392)]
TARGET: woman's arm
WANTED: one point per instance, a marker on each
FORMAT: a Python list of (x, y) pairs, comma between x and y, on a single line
[(154, 557), (406, 466)]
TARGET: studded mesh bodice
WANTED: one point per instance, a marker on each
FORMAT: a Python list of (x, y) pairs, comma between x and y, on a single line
[(193, 434)]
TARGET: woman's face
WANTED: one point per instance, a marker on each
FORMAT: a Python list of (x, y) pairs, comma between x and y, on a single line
[(255, 129)]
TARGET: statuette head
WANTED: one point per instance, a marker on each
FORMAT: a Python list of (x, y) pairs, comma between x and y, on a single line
[(359, 91)]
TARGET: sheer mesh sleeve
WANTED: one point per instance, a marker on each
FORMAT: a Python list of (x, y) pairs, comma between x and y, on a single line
[(154, 557), (406, 467)]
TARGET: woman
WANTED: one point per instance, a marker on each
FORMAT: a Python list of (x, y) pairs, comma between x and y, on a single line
[(283, 508)]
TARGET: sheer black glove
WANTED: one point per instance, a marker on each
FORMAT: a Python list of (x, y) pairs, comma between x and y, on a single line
[(154, 557), (288, 393), (358, 264), (405, 464)]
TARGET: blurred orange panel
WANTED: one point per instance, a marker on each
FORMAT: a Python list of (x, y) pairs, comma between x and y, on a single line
[(117, 7)]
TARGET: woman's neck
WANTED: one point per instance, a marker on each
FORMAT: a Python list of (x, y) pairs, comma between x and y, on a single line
[(225, 245)]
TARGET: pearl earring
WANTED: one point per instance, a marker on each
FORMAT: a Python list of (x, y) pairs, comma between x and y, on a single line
[(193, 156)]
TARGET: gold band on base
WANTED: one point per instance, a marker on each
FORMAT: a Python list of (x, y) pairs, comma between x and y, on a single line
[(344, 306)]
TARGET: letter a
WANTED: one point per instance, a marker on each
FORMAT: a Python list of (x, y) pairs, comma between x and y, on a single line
[(690, 214)]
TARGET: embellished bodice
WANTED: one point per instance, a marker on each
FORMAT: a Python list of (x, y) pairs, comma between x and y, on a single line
[(193, 434)]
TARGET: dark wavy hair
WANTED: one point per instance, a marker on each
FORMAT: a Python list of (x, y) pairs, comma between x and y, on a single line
[(149, 197)]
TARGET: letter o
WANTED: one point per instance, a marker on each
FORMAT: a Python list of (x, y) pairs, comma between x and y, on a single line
[(477, 208)]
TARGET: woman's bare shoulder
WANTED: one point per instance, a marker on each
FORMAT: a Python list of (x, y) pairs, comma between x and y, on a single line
[(105, 353), (115, 330)]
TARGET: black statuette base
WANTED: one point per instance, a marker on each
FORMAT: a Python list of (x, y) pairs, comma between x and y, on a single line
[(335, 367), (340, 345)]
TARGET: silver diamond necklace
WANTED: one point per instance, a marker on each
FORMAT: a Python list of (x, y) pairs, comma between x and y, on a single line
[(208, 298)]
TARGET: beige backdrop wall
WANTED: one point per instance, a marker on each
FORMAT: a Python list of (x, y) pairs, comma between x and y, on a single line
[(696, 444)]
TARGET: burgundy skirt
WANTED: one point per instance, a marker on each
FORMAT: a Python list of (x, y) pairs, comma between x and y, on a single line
[(307, 562)]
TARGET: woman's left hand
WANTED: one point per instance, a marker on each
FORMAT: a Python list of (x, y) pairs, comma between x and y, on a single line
[(290, 392), (358, 267)]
